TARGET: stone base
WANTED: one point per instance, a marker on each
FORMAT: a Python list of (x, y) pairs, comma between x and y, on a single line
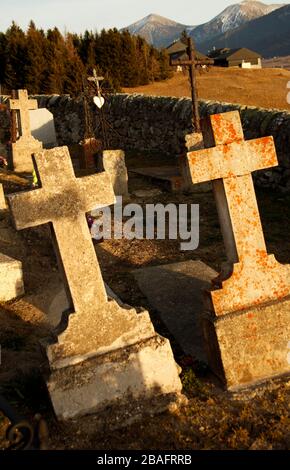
[(11, 285), (21, 159), (113, 162), (143, 371), (249, 346)]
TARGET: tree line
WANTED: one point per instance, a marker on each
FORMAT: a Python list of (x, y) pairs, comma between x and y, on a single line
[(49, 62)]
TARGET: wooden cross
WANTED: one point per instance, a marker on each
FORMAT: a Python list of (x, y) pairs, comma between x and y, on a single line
[(252, 276), (192, 62), (23, 105)]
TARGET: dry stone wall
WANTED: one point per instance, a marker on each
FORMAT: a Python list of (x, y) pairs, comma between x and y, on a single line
[(159, 124)]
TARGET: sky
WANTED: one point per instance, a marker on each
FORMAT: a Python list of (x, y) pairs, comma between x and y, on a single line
[(79, 15)]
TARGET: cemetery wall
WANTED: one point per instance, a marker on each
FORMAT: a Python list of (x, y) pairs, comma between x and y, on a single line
[(159, 124)]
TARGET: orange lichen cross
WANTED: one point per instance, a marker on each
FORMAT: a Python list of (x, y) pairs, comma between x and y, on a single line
[(251, 276)]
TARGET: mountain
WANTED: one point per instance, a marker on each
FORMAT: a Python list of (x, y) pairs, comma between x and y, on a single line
[(232, 17), (269, 35), (161, 31), (157, 30)]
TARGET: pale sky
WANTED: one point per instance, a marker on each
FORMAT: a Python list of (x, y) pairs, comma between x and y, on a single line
[(79, 15)]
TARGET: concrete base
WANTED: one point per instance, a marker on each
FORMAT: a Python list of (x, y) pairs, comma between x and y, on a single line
[(21, 159), (249, 346), (11, 285), (141, 372)]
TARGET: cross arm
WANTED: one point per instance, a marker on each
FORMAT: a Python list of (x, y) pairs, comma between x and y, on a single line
[(96, 190), (16, 104), (235, 159), (27, 209), (190, 62)]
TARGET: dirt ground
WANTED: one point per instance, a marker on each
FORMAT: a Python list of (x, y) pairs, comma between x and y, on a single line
[(212, 419), (263, 88)]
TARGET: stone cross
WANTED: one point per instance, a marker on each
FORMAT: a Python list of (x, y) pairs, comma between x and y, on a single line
[(23, 105), (64, 200), (252, 276), (22, 150), (106, 354)]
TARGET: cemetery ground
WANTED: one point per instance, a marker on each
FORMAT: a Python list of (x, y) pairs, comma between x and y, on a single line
[(212, 418), (266, 88)]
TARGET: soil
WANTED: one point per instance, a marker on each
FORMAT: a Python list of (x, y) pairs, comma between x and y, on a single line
[(212, 418), (266, 88)]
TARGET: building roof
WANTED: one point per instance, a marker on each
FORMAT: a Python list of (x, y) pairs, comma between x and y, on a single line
[(177, 51), (231, 54), (176, 46)]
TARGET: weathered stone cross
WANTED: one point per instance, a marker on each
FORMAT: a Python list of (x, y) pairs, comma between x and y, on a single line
[(23, 105), (252, 276), (64, 200), (22, 150), (106, 354)]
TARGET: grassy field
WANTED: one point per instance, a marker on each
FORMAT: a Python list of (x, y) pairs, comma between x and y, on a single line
[(264, 88)]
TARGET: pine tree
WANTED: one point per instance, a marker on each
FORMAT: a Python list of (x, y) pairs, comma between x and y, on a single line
[(34, 70), (74, 68), (15, 57)]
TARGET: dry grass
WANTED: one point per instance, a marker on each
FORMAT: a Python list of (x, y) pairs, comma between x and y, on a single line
[(264, 88)]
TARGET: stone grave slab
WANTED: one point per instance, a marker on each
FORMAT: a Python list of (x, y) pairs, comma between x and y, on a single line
[(171, 178), (105, 355), (176, 291), (11, 285), (251, 295), (26, 145), (42, 127)]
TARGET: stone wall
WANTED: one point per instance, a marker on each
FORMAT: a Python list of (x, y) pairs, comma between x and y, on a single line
[(159, 124)]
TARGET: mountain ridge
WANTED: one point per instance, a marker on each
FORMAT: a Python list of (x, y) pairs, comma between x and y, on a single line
[(161, 31)]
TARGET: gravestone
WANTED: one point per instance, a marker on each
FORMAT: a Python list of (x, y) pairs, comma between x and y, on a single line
[(247, 319), (11, 285), (26, 145), (113, 162), (42, 127), (106, 355)]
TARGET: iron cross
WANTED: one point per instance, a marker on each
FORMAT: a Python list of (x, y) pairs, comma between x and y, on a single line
[(97, 81), (191, 63)]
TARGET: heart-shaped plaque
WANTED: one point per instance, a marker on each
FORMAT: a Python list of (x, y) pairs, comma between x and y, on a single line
[(99, 101)]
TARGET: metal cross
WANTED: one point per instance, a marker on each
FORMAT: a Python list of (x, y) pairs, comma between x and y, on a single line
[(97, 81)]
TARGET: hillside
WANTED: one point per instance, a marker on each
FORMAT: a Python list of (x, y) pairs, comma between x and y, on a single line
[(265, 88), (269, 35)]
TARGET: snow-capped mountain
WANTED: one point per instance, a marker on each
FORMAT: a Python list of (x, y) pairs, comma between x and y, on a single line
[(232, 17), (269, 35), (157, 30), (161, 31)]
